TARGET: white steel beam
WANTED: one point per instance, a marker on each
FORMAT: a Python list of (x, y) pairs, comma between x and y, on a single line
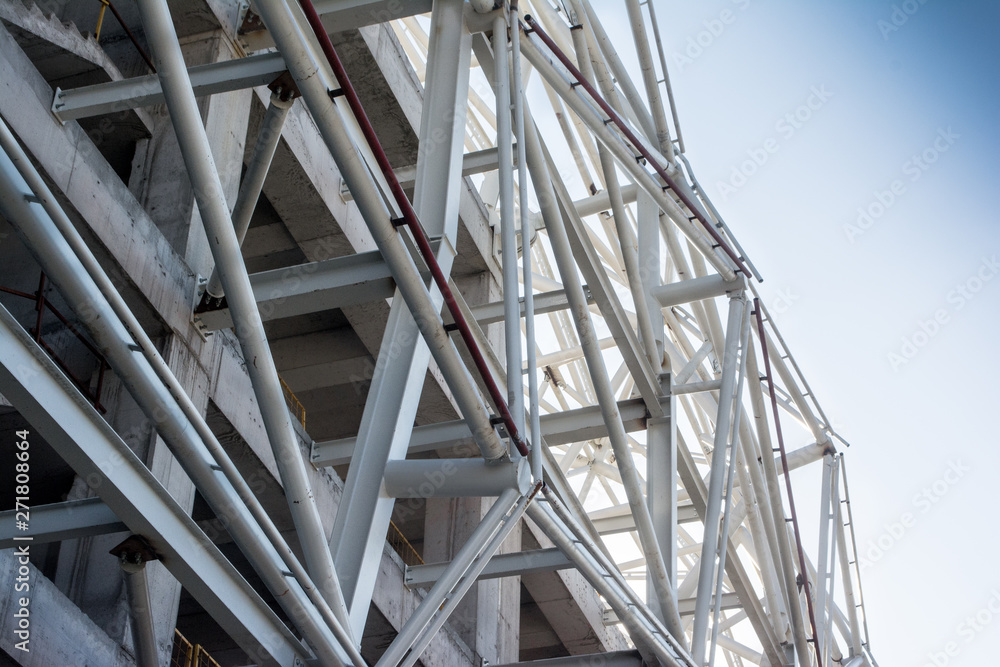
[(384, 434), (61, 415), (557, 428), (501, 565), (140, 91), (62, 521)]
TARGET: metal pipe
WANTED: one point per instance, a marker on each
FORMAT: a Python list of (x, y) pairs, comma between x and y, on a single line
[(449, 579), (508, 523), (823, 563), (829, 590), (141, 613), (93, 269), (454, 478), (623, 154), (508, 233), (253, 180), (666, 78), (636, 143), (517, 92), (115, 341), (197, 154), (386, 236), (786, 562), (717, 477), (543, 515), (649, 78), (734, 462), (542, 179), (845, 567), (762, 335), (695, 289), (625, 233)]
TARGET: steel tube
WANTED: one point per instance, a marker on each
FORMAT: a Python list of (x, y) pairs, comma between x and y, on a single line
[(509, 522), (639, 145), (626, 235), (717, 477), (845, 569), (143, 633), (197, 154), (93, 269), (559, 241), (662, 137), (734, 463), (786, 562), (601, 580), (449, 579), (282, 26), (762, 337), (253, 180), (508, 232), (517, 92), (67, 272), (622, 154), (454, 478), (695, 289)]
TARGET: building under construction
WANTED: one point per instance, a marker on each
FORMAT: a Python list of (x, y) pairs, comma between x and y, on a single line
[(389, 332)]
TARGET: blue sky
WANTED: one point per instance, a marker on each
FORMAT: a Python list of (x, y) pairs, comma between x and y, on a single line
[(903, 125)]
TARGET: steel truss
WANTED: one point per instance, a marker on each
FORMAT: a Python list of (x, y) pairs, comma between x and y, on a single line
[(620, 415)]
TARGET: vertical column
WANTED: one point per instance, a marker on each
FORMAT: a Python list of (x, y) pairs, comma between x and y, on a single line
[(363, 518), (661, 488)]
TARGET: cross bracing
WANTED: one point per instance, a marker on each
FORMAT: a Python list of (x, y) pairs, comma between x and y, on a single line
[(471, 242)]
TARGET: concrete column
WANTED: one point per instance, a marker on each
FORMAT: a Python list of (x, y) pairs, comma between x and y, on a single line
[(488, 618)]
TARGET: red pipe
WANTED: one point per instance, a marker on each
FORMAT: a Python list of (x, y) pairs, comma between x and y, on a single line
[(616, 119), (411, 221), (788, 479)]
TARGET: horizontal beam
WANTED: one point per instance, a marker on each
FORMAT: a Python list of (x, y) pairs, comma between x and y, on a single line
[(58, 413), (544, 302), (501, 565), (454, 478), (140, 91), (613, 524), (477, 162), (685, 291), (558, 428), (685, 606), (61, 521), (310, 288)]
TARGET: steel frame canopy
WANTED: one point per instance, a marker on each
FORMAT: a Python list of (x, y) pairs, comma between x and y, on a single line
[(662, 424)]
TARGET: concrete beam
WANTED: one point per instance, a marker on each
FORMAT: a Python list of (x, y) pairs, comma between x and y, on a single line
[(340, 15), (558, 429), (614, 659)]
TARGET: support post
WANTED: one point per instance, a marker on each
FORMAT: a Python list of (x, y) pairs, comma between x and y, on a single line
[(710, 542), (211, 199)]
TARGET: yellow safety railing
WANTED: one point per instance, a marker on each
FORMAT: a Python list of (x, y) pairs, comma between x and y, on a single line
[(402, 546), (186, 654), (294, 404)]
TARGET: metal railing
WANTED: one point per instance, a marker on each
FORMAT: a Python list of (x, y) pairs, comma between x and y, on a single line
[(185, 654)]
